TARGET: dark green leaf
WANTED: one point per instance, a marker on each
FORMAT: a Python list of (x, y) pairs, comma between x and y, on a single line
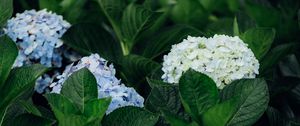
[(113, 9), (276, 118), (61, 106), (6, 10), (136, 68), (95, 109), (259, 40), (174, 120), (198, 92), (92, 38), (30, 108), (8, 54), (30, 119), (275, 55), (290, 66), (252, 100), (220, 114), (51, 5), (221, 26), (80, 87), (136, 21), (19, 80), (72, 9), (130, 116), (163, 40), (264, 14), (164, 96), (189, 12)]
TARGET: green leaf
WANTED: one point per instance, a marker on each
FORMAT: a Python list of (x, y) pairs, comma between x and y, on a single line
[(136, 22), (72, 9), (220, 114), (259, 40), (135, 69), (8, 54), (163, 40), (95, 109), (221, 26), (276, 118), (164, 96), (198, 93), (30, 108), (235, 27), (6, 10), (61, 106), (19, 80), (30, 119), (252, 97), (174, 120), (130, 116), (80, 87), (51, 5), (275, 55), (113, 9), (264, 15), (290, 66), (189, 12), (92, 38)]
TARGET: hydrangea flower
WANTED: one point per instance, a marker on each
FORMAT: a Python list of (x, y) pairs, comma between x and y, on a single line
[(221, 57), (37, 35), (108, 85)]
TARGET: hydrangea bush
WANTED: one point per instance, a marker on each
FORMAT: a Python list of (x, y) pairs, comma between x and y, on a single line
[(221, 57), (163, 62), (108, 85)]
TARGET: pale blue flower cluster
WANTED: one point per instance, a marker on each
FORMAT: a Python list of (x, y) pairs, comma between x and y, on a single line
[(37, 35), (108, 84)]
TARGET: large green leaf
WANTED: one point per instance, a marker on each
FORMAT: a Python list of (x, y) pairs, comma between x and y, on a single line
[(8, 54), (95, 110), (92, 38), (198, 93), (6, 10), (30, 119), (220, 114), (163, 40), (19, 80), (130, 116), (259, 40), (62, 107), (252, 100), (80, 87), (135, 69), (163, 97), (136, 22)]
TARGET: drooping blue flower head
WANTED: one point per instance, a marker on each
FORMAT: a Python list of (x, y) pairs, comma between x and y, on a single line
[(108, 84), (37, 34)]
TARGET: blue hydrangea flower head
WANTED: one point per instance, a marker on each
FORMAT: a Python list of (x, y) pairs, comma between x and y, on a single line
[(108, 85), (37, 34)]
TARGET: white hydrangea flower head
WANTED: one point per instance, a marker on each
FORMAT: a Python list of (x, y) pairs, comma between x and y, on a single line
[(222, 58), (37, 35), (108, 85)]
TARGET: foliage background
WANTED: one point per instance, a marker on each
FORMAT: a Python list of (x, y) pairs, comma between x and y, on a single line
[(135, 34)]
